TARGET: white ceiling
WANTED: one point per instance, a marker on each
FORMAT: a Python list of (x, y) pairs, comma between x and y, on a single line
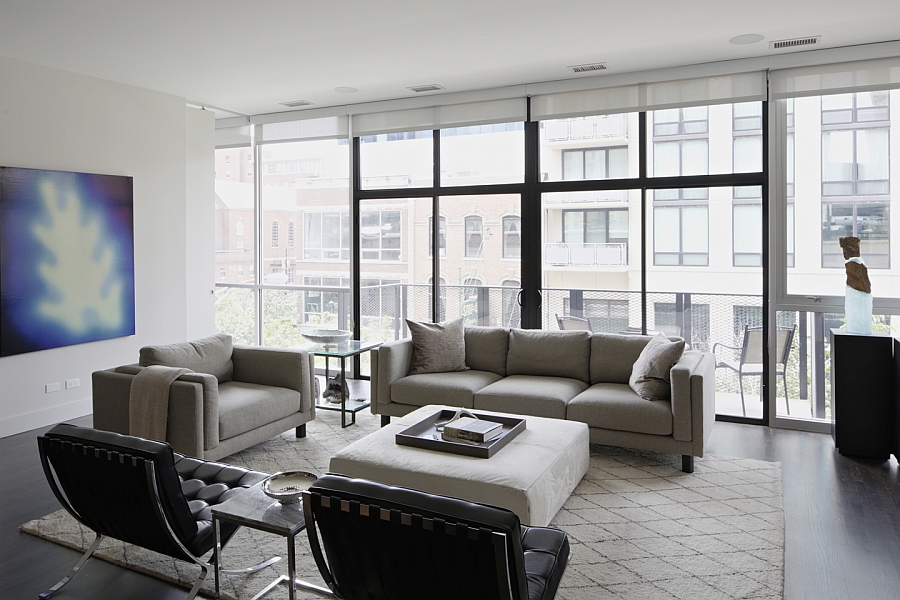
[(247, 57)]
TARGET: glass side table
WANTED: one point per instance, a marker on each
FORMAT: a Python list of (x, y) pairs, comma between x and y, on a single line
[(342, 351), (252, 508)]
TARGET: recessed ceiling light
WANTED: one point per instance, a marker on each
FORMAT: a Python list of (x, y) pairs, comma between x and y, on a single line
[(346, 90), (749, 38)]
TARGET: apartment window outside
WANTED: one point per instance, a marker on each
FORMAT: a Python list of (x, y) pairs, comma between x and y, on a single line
[(747, 235), (442, 236), (321, 307), (595, 163), (869, 221), (681, 148), (291, 234), (326, 236), (680, 235), (856, 176), (222, 273), (610, 316), (512, 237), (275, 234), (380, 231), (474, 228), (595, 226)]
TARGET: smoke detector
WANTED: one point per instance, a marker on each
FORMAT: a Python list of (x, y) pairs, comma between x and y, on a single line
[(794, 42), (432, 87), (587, 68), (296, 103)]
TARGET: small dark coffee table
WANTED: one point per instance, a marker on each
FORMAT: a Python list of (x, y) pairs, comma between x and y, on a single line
[(252, 508)]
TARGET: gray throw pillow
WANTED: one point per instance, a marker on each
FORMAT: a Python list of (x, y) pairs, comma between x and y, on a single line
[(437, 347), (650, 374)]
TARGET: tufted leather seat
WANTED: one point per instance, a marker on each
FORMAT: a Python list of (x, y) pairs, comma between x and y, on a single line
[(390, 542), (140, 491)]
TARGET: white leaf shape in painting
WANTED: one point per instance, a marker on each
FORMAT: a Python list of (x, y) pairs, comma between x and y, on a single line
[(78, 268)]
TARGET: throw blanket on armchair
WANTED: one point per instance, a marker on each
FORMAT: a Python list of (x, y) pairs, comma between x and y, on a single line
[(149, 401)]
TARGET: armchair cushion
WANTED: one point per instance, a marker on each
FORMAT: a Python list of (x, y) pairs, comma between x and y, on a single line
[(207, 355), (247, 406)]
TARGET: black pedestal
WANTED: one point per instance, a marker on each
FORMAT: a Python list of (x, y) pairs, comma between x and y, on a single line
[(863, 374)]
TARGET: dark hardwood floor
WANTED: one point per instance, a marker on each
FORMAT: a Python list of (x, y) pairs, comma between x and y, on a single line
[(842, 522)]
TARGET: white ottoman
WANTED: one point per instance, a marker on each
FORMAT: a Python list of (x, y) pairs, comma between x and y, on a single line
[(532, 476)]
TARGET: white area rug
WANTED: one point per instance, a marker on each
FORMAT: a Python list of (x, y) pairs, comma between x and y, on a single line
[(639, 527)]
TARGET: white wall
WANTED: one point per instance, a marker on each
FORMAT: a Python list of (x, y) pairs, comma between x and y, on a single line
[(51, 119), (201, 219)]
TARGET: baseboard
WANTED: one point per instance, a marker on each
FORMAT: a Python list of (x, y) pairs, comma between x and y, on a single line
[(47, 416)]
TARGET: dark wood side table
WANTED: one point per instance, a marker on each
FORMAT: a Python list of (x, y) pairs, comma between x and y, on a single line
[(252, 508), (863, 393)]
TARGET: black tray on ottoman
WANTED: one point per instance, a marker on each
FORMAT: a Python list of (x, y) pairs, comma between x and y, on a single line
[(425, 435)]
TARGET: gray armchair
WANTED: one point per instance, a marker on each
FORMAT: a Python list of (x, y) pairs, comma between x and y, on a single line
[(236, 396)]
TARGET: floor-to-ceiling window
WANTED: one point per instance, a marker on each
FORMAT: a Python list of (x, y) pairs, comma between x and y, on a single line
[(839, 163), (660, 233), (430, 215)]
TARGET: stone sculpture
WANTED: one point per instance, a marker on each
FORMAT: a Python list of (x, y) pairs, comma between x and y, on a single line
[(858, 300)]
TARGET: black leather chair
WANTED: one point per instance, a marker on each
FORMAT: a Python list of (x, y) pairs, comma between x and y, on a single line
[(141, 492), (390, 543)]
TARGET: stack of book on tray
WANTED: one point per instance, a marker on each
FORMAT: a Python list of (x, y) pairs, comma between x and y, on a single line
[(472, 431)]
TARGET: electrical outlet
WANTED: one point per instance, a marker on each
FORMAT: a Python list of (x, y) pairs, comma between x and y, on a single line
[(51, 387), (72, 383)]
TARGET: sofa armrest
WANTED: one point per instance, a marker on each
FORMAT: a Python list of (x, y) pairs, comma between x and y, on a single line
[(694, 398), (392, 363), (111, 394), (288, 368)]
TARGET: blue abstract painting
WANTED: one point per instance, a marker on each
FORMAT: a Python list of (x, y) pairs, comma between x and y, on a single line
[(66, 259)]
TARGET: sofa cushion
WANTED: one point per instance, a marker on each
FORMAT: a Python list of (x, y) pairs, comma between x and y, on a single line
[(616, 406), (207, 355), (613, 356), (650, 374), (452, 389), (549, 353), (437, 347), (530, 395), (246, 406), (487, 349)]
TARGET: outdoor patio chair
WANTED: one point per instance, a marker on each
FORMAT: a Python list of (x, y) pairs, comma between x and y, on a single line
[(569, 322), (140, 492), (749, 361), (389, 542)]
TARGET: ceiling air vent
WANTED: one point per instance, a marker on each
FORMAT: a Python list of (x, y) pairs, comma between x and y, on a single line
[(296, 103), (433, 87), (793, 43), (588, 68)]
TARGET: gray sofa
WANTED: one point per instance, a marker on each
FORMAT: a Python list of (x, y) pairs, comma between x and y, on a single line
[(237, 396), (572, 375)]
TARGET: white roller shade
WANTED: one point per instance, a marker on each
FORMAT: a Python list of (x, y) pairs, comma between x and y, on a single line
[(700, 91), (856, 76), (305, 129), (440, 117), (229, 137)]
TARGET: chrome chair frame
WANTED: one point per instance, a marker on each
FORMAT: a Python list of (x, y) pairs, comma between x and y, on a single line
[(158, 513)]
